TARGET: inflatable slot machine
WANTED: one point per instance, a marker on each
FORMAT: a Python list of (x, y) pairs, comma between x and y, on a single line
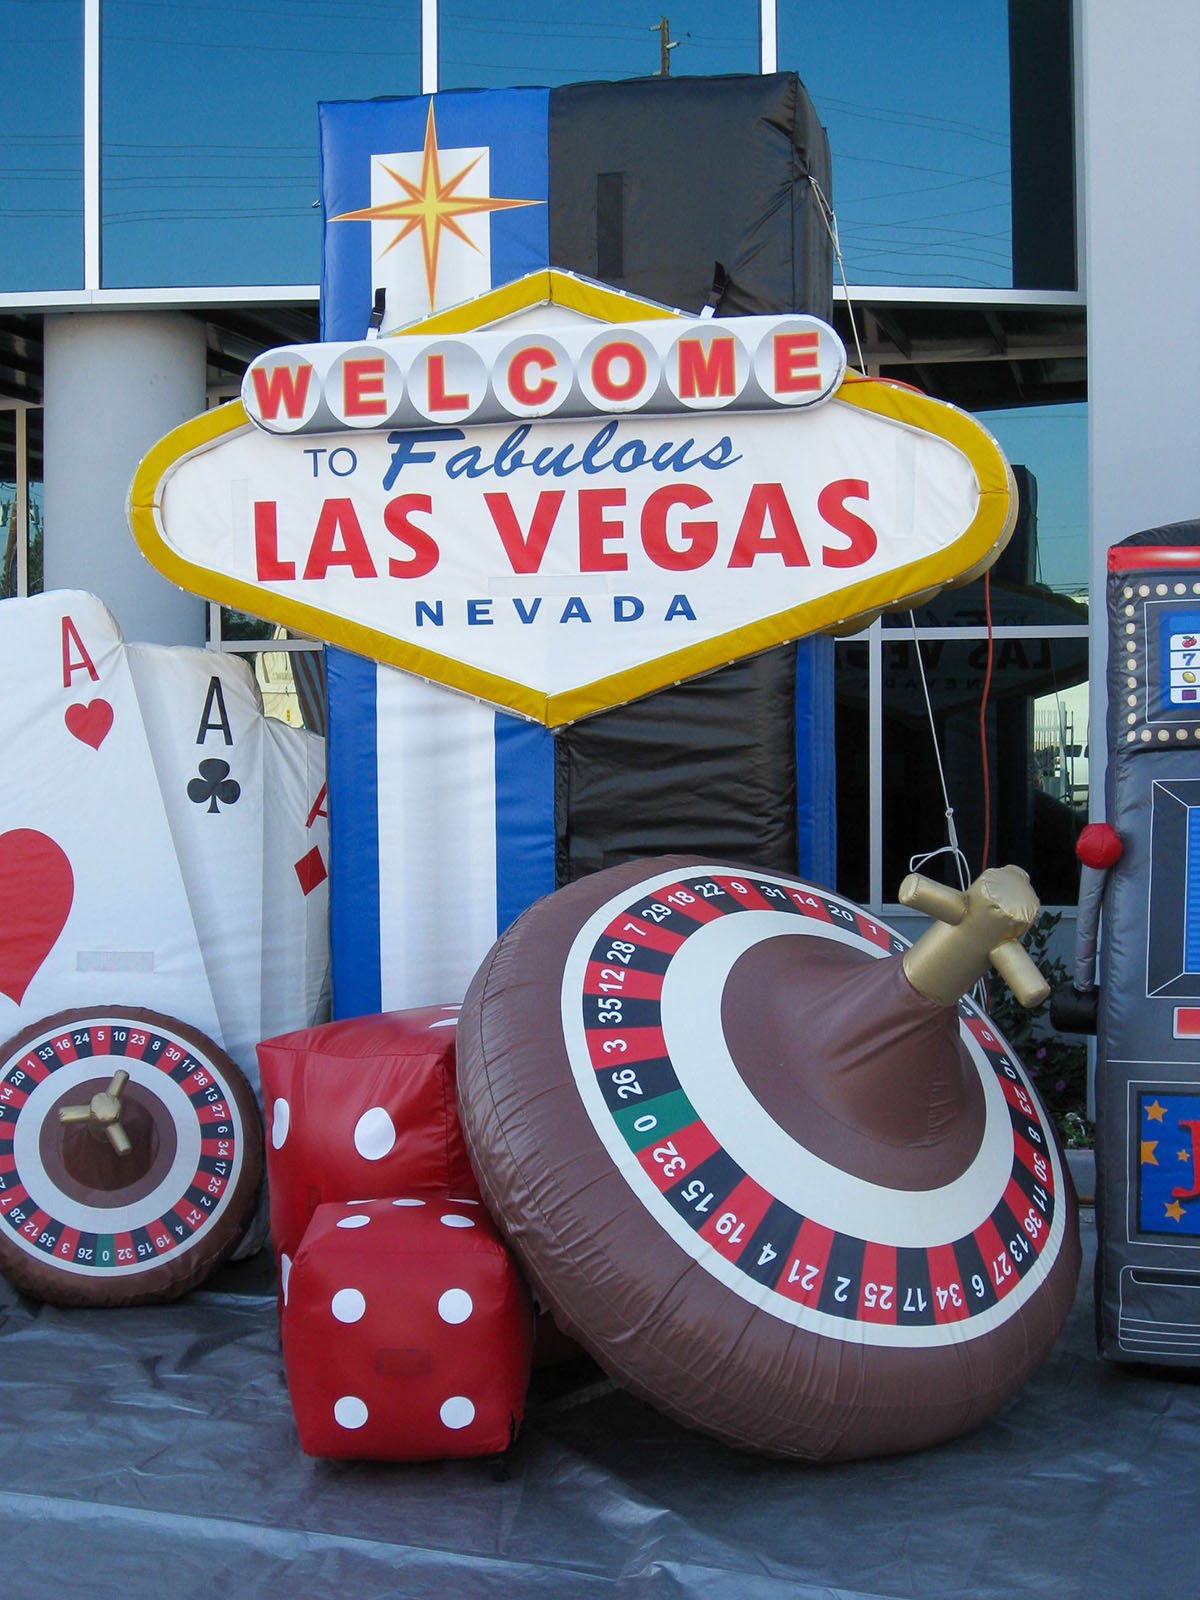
[(1146, 1011)]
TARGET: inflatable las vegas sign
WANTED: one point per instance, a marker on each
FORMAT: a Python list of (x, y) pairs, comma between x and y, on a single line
[(558, 498)]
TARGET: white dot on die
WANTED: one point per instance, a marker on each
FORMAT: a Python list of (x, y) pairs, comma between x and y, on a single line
[(281, 1122), (408, 1202), (348, 1305), (451, 1221), (455, 1306), (350, 1411), (285, 1272), (353, 1222), (457, 1412), (374, 1134)]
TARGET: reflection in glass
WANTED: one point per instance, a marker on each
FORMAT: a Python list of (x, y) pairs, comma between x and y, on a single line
[(916, 102), (41, 145), (20, 517), (1051, 443), (242, 625), (1035, 729), (1040, 578), (210, 156), (35, 454), (10, 519), (292, 684), (537, 42)]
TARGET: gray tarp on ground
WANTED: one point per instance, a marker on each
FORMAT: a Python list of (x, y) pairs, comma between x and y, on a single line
[(153, 1451)]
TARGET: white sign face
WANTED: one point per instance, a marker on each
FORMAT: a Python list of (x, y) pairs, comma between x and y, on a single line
[(560, 566)]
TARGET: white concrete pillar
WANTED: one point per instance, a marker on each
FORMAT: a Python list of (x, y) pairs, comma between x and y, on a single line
[(1141, 127), (115, 383)]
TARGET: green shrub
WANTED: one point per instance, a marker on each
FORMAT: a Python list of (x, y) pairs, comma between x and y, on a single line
[(1057, 1066)]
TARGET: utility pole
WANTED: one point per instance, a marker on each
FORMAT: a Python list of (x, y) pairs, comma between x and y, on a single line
[(665, 45)]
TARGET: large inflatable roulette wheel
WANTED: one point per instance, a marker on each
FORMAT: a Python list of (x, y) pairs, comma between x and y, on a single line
[(772, 1187), (131, 1155)]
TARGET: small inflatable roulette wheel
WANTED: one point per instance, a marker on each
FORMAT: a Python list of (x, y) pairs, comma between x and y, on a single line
[(770, 1185), (131, 1154)]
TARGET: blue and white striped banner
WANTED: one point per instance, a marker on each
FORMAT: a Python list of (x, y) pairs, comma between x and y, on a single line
[(441, 809)]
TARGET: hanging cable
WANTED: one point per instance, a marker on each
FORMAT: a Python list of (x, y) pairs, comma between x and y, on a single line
[(952, 847), (829, 218)]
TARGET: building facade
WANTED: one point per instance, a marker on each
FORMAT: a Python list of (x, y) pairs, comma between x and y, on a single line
[(1002, 197)]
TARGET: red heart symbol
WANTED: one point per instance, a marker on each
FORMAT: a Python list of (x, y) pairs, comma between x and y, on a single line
[(90, 723), (37, 887)]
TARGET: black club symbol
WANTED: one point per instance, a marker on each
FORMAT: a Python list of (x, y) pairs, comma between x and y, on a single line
[(214, 785)]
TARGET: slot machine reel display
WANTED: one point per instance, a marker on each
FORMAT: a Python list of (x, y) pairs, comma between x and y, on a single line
[(131, 1154), (758, 1156)]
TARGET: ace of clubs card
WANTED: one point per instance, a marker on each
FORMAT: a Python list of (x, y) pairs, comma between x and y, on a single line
[(205, 725)]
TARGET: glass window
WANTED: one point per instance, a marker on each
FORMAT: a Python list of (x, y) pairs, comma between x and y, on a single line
[(20, 503), (1051, 443), (292, 685), (535, 42), (915, 99), (34, 455), (289, 667), (1036, 723), (239, 626), (210, 146), (1041, 578), (1036, 743), (41, 145), (10, 506)]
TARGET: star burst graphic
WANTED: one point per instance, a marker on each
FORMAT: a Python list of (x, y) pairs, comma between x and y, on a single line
[(433, 206), (1169, 1162)]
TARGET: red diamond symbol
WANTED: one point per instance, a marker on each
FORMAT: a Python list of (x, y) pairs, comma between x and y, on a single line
[(311, 870)]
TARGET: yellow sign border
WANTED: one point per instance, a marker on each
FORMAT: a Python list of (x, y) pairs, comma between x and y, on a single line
[(970, 554)]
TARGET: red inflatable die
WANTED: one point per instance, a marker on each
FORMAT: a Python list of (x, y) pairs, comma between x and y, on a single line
[(362, 1109), (407, 1332)]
